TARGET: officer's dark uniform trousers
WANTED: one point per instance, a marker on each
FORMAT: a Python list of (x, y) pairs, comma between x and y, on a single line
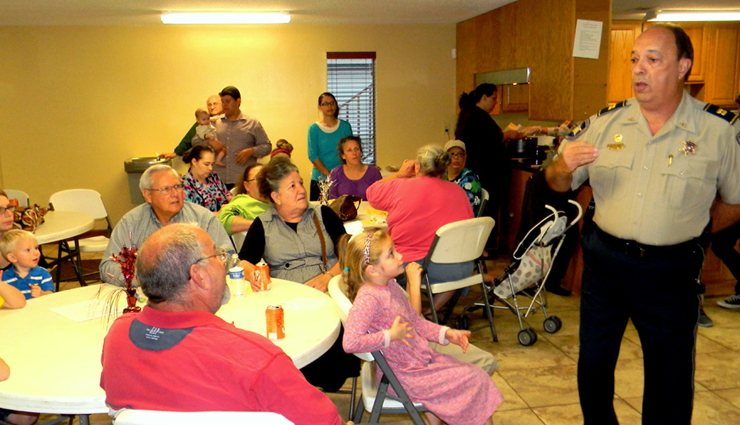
[(656, 288)]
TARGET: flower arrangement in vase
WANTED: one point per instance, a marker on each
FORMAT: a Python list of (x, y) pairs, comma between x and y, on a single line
[(127, 261)]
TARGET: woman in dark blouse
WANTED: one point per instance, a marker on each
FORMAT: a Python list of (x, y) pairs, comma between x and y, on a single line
[(484, 140)]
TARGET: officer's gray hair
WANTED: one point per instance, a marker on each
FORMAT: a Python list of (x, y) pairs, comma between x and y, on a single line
[(164, 277)]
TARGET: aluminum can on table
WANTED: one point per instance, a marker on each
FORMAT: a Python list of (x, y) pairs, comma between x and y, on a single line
[(262, 276), (275, 319)]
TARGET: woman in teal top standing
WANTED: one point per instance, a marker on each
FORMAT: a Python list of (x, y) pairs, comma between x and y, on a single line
[(323, 137)]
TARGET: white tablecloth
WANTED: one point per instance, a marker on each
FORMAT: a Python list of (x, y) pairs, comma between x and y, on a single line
[(55, 361), (60, 225)]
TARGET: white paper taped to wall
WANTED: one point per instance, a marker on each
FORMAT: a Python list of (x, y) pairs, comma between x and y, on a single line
[(588, 39)]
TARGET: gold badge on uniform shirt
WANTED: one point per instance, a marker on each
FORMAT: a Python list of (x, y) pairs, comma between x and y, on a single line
[(689, 147), (618, 143)]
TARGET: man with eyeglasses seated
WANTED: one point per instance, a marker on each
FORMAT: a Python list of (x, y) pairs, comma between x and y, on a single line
[(165, 204), (177, 355)]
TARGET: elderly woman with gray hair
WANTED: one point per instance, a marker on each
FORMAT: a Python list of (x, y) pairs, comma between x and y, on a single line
[(290, 236), (298, 243), (419, 202)]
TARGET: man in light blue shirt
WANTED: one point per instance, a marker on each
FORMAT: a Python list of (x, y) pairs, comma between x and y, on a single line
[(165, 204)]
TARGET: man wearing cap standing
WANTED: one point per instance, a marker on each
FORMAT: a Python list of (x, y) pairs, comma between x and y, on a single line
[(243, 136), (655, 163)]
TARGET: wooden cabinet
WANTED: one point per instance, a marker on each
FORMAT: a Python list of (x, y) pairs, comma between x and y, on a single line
[(538, 34), (623, 35), (716, 276), (696, 32), (723, 67), (512, 99), (715, 74)]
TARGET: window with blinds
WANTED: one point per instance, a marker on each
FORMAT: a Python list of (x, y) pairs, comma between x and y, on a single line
[(351, 79)]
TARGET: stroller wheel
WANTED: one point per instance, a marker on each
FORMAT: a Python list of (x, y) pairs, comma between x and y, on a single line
[(462, 322), (552, 324), (527, 337)]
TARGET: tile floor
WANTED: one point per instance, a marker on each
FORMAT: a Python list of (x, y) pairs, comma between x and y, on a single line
[(539, 382)]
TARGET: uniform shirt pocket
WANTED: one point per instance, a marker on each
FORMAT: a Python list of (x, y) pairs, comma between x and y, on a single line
[(685, 181), (611, 173)]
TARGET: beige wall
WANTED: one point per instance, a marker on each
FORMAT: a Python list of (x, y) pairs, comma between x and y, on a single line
[(84, 99)]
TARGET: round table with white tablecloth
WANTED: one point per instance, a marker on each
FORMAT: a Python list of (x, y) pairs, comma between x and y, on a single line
[(60, 225), (54, 344)]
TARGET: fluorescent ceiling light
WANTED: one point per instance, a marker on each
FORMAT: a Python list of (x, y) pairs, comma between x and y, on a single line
[(225, 18), (689, 16)]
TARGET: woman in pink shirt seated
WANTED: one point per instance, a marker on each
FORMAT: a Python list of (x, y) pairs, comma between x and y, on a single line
[(419, 202)]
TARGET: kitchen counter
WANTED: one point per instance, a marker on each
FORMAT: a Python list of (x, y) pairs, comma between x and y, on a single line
[(525, 164)]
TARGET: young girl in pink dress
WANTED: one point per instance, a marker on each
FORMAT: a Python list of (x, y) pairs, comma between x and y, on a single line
[(382, 318)]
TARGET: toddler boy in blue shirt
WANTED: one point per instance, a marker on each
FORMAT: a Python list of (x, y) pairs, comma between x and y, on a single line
[(20, 248)]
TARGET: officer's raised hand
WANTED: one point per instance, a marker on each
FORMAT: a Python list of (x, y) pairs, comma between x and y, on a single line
[(573, 155)]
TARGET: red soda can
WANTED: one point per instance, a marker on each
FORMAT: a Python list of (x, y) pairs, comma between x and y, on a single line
[(262, 275), (275, 322)]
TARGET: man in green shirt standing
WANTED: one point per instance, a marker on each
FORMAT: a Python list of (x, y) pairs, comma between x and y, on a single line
[(214, 109)]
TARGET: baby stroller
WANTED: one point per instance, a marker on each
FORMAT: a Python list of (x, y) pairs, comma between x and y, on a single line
[(527, 274)]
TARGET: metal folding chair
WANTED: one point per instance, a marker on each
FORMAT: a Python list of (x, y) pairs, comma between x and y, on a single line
[(459, 242), (484, 197), (373, 393)]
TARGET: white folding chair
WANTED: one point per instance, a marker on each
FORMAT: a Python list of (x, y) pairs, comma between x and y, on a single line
[(20, 196), (156, 417), (483, 201), (459, 242), (373, 393), (85, 201)]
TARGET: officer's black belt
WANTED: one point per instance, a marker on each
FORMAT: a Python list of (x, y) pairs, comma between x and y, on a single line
[(638, 250)]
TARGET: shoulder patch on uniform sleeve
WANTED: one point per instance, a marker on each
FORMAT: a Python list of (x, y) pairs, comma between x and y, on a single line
[(573, 135), (612, 108), (720, 112), (737, 137)]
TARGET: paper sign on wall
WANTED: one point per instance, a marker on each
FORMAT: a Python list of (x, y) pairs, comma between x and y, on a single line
[(588, 39)]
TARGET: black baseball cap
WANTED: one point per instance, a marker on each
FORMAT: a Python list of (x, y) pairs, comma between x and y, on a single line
[(231, 91)]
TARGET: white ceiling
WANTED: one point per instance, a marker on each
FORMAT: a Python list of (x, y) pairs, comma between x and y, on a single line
[(146, 12), (635, 9)]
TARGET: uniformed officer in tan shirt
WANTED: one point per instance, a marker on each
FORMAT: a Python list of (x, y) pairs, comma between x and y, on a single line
[(655, 163)]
